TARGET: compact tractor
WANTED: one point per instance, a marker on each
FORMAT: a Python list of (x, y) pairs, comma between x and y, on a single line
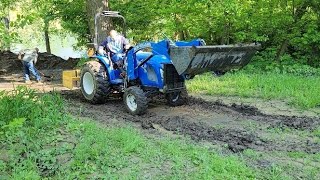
[(154, 68)]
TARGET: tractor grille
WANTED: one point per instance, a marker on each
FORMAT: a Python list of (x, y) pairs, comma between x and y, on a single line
[(172, 80)]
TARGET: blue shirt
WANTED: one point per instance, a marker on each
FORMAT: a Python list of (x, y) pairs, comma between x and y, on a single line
[(115, 45)]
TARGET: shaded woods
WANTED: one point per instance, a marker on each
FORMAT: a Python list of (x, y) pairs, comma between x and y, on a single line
[(287, 29)]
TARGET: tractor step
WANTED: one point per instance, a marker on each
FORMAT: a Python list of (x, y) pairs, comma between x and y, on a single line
[(172, 80)]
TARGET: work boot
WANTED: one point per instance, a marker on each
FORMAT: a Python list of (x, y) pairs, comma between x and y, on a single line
[(39, 82), (123, 74), (28, 82)]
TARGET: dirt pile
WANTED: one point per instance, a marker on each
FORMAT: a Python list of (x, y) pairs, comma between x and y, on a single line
[(10, 63)]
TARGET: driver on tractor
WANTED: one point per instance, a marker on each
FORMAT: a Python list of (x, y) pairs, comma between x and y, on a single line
[(115, 44)]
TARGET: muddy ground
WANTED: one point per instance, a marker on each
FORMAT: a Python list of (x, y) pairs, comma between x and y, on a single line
[(266, 134), (210, 121), (237, 129), (263, 140), (50, 68)]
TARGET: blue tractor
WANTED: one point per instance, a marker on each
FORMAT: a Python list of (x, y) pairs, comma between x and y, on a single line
[(154, 68)]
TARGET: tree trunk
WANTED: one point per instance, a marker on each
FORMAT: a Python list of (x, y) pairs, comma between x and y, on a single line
[(46, 37), (297, 13), (104, 25), (180, 34), (6, 22), (282, 49), (5, 43)]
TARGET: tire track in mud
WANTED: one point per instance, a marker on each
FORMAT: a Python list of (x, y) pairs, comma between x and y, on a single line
[(299, 123), (237, 140)]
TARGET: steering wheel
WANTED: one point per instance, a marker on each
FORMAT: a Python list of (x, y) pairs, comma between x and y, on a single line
[(172, 43)]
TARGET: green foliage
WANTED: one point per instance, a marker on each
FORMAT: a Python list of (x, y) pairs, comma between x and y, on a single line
[(290, 28), (297, 154), (263, 62), (292, 25), (24, 106), (74, 18), (82, 61), (125, 153), (317, 132), (28, 122), (48, 144), (6, 37)]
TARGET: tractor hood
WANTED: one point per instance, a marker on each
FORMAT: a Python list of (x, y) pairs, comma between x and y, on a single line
[(193, 60)]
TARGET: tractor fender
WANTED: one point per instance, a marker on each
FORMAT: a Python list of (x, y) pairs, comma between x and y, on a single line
[(106, 62)]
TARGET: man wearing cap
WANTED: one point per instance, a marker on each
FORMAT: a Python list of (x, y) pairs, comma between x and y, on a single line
[(116, 45)]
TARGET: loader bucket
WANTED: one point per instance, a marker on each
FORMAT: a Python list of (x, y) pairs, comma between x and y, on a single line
[(193, 60)]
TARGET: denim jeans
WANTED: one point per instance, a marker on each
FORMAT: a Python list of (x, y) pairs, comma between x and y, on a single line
[(29, 68), (117, 58)]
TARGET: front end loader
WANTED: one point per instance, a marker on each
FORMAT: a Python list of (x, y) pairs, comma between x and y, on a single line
[(158, 68)]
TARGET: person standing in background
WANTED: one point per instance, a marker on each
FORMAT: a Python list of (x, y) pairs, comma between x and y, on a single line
[(29, 60)]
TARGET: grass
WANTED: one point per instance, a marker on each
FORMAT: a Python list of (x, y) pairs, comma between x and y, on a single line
[(38, 140), (300, 91), (125, 153), (289, 165)]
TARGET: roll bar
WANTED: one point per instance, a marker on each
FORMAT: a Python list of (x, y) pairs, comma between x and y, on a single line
[(112, 14)]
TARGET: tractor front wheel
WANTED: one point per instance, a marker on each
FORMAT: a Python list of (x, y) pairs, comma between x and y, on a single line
[(94, 82), (177, 98), (135, 100)]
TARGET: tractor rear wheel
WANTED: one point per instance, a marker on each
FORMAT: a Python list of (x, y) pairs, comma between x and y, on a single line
[(94, 82), (135, 100), (177, 98)]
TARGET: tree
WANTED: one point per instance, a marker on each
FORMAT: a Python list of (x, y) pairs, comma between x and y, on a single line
[(93, 7), (289, 29), (6, 37), (38, 13), (74, 19), (79, 18), (47, 14)]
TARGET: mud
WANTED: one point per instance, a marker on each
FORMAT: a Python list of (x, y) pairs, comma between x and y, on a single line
[(268, 107), (229, 125), (236, 140), (212, 122), (301, 123)]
